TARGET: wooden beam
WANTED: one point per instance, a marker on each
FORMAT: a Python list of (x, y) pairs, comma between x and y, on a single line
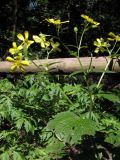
[(66, 65)]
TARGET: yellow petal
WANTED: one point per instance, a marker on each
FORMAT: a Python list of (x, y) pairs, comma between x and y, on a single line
[(96, 23), (50, 20), (84, 16), (20, 47), (99, 41), (110, 39), (95, 43), (118, 38), (13, 68), (20, 36), (36, 39), (12, 51), (22, 68), (20, 54), (25, 63), (18, 58), (14, 45), (42, 44), (65, 21), (29, 43), (58, 21), (96, 50), (47, 44), (57, 44), (10, 59), (90, 20), (112, 34), (26, 34)]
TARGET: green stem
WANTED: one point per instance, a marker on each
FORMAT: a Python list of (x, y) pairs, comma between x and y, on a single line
[(81, 64), (48, 53), (90, 64), (81, 38), (107, 65), (117, 50), (68, 99), (15, 3), (76, 38), (113, 47), (78, 49), (91, 103)]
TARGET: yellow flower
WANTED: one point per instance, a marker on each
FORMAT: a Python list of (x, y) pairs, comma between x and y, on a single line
[(90, 20), (100, 44), (55, 45), (56, 22), (15, 48), (114, 37), (24, 38), (18, 62), (42, 40)]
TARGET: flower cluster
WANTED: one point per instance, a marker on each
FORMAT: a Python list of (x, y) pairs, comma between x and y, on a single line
[(49, 44), (114, 37), (16, 51), (41, 39), (56, 22), (89, 20), (25, 41), (100, 45), (44, 43), (18, 62)]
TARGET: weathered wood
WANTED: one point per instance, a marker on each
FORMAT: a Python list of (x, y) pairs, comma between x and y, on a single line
[(65, 65)]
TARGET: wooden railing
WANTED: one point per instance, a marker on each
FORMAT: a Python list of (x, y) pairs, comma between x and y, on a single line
[(66, 65)]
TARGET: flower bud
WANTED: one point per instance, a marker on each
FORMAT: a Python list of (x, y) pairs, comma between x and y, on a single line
[(75, 29)]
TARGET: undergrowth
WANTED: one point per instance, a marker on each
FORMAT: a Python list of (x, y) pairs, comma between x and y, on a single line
[(44, 119)]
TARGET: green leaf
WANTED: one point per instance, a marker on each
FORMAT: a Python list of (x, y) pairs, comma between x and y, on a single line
[(5, 85), (17, 156), (5, 156), (55, 148), (68, 127), (113, 138), (75, 73), (28, 126), (19, 123), (110, 96)]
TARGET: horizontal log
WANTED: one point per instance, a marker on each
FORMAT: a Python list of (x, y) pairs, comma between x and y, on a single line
[(65, 65)]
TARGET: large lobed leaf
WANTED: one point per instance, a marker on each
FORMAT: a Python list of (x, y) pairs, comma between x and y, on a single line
[(68, 127)]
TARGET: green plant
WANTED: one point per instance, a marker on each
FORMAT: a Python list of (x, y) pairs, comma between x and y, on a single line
[(92, 110), (41, 118)]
